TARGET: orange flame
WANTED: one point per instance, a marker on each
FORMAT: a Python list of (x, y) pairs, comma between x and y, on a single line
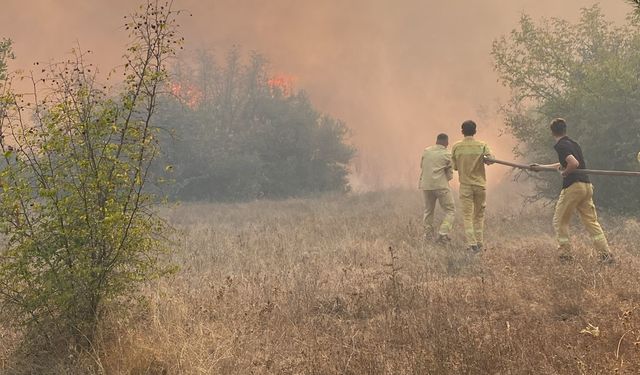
[(189, 94), (282, 84)]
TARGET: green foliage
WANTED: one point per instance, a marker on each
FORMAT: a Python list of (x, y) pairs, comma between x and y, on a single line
[(587, 73), (78, 228), (235, 133), (5, 54)]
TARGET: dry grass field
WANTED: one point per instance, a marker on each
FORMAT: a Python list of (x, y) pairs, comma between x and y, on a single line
[(346, 285)]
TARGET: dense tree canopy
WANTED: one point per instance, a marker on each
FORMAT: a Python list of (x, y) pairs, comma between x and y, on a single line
[(587, 73), (234, 132)]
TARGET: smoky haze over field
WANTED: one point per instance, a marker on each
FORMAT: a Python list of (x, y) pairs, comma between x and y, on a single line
[(398, 72)]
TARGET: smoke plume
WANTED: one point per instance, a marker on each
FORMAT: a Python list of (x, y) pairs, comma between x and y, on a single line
[(398, 72)]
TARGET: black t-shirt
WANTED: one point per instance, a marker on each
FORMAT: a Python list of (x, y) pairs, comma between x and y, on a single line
[(565, 147)]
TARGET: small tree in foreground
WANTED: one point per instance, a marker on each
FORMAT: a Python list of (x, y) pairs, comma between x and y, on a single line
[(78, 227)]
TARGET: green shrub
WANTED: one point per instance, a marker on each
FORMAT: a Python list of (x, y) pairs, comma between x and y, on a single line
[(79, 228)]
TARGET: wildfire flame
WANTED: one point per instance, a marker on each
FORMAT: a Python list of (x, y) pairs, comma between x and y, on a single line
[(282, 84), (187, 93), (192, 97)]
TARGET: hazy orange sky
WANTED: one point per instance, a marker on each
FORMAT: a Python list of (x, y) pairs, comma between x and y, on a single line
[(398, 72)]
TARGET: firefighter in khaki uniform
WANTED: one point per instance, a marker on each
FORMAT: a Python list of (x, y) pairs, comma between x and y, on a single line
[(468, 158), (576, 195), (436, 173)]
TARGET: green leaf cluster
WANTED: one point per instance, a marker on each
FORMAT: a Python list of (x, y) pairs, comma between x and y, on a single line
[(5, 54)]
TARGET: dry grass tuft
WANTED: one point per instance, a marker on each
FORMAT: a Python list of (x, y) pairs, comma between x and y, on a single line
[(345, 285)]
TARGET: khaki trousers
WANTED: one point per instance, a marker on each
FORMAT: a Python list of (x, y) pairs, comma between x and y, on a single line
[(445, 199), (578, 197), (473, 202)]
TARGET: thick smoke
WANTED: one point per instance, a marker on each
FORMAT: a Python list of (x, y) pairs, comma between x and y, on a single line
[(398, 72)]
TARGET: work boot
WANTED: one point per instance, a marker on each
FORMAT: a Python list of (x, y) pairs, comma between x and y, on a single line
[(428, 234), (565, 257), (443, 239), (474, 249), (607, 259), (565, 253), (602, 246)]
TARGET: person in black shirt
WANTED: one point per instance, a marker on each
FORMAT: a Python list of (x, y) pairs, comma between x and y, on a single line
[(566, 148), (576, 195)]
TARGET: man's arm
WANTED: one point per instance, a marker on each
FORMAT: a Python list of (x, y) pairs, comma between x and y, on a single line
[(448, 169), (538, 167), (421, 171), (572, 165), (563, 154), (486, 153), (454, 161)]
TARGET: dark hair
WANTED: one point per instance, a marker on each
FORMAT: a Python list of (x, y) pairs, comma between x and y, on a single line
[(558, 127), (442, 138), (468, 128)]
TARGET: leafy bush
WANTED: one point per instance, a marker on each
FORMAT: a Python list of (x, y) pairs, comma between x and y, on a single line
[(587, 73), (235, 133), (79, 229)]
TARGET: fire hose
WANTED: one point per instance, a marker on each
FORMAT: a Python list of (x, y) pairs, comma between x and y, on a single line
[(552, 169)]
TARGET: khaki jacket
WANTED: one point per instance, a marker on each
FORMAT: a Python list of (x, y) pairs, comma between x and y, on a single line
[(468, 159), (437, 169)]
